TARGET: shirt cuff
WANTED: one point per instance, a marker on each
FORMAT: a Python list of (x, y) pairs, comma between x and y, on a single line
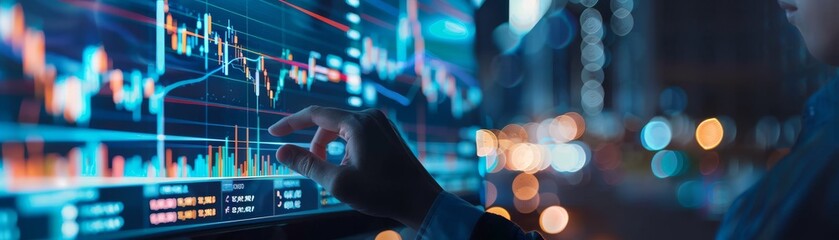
[(449, 218)]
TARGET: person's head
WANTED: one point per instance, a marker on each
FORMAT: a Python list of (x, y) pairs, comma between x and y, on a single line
[(818, 22)]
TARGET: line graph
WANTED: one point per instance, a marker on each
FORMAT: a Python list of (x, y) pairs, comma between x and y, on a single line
[(367, 69)]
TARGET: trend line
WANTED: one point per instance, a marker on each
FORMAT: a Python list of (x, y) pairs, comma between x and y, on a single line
[(392, 95), (335, 24), (178, 84)]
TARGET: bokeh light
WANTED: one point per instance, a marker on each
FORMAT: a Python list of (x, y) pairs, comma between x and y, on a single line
[(629, 5), (767, 132), (580, 124), (553, 219), (388, 235), (524, 157), (485, 142), (689, 194), (569, 157), (499, 211), (592, 93), (504, 142), (791, 129), (499, 163), (622, 22), (667, 163), (490, 163), (541, 161), (684, 130), (656, 135), (562, 30), (598, 75), (673, 100), (543, 132), (490, 193), (506, 40), (450, 30), (709, 133), (515, 133), (588, 3), (563, 128), (525, 186), (532, 130), (730, 128), (528, 205), (524, 14), (606, 125)]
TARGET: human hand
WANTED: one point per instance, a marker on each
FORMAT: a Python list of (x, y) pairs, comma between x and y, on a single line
[(379, 174)]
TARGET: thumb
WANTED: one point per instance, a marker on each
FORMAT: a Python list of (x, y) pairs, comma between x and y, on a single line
[(306, 163)]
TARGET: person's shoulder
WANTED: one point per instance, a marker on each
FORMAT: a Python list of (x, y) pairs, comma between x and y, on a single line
[(800, 189)]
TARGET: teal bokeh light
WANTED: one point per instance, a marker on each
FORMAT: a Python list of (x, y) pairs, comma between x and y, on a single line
[(449, 29), (667, 163), (656, 135)]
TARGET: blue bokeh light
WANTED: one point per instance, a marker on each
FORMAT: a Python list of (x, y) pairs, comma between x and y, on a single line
[(689, 194), (667, 163), (656, 135), (449, 29)]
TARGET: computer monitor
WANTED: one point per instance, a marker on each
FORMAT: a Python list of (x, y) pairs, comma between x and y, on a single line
[(132, 118)]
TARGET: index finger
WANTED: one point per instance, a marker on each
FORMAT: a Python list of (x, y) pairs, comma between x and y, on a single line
[(324, 117)]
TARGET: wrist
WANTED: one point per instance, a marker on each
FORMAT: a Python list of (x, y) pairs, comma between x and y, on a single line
[(417, 208)]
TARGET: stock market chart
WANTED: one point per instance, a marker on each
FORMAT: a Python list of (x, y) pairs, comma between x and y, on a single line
[(135, 117)]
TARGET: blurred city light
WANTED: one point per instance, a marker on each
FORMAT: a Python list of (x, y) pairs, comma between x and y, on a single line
[(709, 133), (525, 186), (527, 205), (689, 194), (567, 157), (553, 219), (499, 211), (490, 193), (449, 30), (767, 132), (667, 163), (388, 235), (656, 135), (524, 14), (486, 143)]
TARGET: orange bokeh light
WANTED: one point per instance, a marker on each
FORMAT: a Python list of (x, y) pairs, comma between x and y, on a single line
[(527, 206), (567, 127), (525, 186), (499, 211), (709, 133), (515, 133), (525, 157), (579, 122), (388, 235), (485, 142)]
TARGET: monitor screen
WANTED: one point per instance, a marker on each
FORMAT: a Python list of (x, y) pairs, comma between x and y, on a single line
[(131, 118)]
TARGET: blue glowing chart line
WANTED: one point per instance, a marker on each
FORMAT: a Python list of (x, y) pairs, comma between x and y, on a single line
[(14, 132)]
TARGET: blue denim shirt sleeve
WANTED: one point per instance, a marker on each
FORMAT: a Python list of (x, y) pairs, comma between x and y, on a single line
[(449, 218)]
